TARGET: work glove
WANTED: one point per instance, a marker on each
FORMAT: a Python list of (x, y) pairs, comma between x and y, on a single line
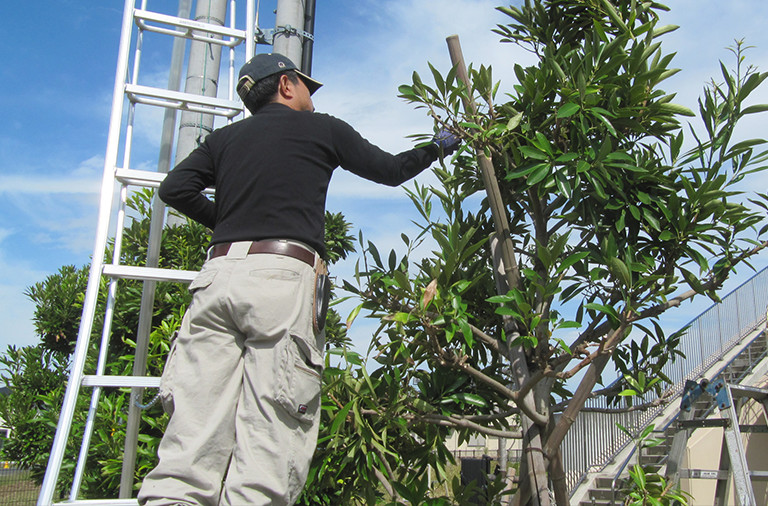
[(446, 141)]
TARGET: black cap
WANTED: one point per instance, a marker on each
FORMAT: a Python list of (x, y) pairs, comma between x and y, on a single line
[(267, 64)]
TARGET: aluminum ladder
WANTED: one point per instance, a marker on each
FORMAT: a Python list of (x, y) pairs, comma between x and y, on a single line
[(128, 93), (733, 461)]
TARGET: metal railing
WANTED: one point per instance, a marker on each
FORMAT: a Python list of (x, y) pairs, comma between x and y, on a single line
[(752, 358), (595, 439)]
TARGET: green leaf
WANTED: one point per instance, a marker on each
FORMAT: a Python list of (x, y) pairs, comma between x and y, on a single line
[(341, 417), (608, 310), (514, 122), (752, 109), (568, 110), (531, 152), (620, 270), (676, 109), (563, 346), (353, 315), (468, 398), (611, 10), (538, 175), (664, 29), (472, 125)]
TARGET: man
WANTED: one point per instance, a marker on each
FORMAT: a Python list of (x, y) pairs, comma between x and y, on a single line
[(242, 381)]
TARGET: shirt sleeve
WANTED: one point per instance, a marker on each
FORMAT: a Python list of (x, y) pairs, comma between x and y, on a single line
[(183, 187), (368, 161)]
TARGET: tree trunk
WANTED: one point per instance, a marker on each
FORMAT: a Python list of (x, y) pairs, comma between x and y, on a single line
[(557, 474), (536, 477)]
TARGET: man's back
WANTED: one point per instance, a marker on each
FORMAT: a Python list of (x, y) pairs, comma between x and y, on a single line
[(271, 173)]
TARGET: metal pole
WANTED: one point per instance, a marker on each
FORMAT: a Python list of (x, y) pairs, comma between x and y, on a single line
[(48, 487), (309, 27), (202, 78), (288, 20), (153, 256)]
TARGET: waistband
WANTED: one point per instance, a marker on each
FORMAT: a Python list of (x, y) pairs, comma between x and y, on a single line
[(287, 248)]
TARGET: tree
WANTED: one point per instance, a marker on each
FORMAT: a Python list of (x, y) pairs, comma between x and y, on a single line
[(612, 223), (37, 375)]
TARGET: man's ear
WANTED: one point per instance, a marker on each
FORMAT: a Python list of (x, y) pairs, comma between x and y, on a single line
[(286, 88)]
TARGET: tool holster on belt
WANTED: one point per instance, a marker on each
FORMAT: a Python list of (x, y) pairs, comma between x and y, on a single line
[(322, 296)]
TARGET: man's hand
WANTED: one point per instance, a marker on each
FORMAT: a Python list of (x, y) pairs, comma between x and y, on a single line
[(446, 141)]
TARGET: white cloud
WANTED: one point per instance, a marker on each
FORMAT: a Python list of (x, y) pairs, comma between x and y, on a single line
[(16, 309), (85, 178), (21, 184)]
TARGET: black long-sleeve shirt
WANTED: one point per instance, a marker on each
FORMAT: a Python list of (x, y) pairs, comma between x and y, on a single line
[(271, 173)]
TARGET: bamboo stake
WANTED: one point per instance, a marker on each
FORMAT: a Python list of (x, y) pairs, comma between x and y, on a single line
[(499, 213), (537, 475)]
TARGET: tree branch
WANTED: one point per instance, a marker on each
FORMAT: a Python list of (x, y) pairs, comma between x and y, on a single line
[(455, 421)]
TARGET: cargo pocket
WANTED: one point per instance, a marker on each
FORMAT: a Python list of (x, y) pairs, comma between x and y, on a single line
[(299, 372), (166, 380), (203, 279)]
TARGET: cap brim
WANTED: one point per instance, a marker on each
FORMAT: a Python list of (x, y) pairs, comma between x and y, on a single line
[(312, 85)]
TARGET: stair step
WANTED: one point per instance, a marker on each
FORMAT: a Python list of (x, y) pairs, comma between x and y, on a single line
[(606, 494)]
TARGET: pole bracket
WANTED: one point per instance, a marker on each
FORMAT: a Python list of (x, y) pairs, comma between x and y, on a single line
[(268, 36)]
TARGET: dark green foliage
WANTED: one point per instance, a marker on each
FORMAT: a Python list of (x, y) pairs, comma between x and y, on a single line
[(613, 216), (37, 375), (58, 304)]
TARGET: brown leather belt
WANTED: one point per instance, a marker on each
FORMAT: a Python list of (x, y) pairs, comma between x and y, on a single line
[(275, 247)]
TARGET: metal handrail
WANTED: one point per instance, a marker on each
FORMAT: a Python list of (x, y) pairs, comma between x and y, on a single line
[(754, 360), (707, 339)]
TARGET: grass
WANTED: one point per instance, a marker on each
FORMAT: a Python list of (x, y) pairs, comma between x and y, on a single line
[(17, 489)]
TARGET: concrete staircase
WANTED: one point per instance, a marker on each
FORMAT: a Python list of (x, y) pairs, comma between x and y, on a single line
[(606, 489), (653, 459)]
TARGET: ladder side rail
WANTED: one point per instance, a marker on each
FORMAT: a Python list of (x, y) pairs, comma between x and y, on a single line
[(250, 31), (231, 68), (736, 452), (101, 365), (128, 145), (722, 487), (64, 426), (112, 292), (157, 222)]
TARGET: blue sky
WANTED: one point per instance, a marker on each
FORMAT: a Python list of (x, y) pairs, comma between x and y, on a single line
[(56, 84)]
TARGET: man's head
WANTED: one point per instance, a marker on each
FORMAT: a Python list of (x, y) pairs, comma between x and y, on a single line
[(272, 77)]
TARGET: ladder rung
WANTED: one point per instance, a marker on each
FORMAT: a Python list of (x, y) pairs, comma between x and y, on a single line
[(135, 177), (92, 380), (180, 100), (718, 474), (747, 391), (188, 25), (148, 273), (98, 502), (146, 178)]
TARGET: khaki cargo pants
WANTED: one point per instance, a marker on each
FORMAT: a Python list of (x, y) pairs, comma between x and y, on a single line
[(242, 384)]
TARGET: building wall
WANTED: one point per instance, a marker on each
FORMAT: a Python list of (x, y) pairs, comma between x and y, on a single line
[(704, 450)]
